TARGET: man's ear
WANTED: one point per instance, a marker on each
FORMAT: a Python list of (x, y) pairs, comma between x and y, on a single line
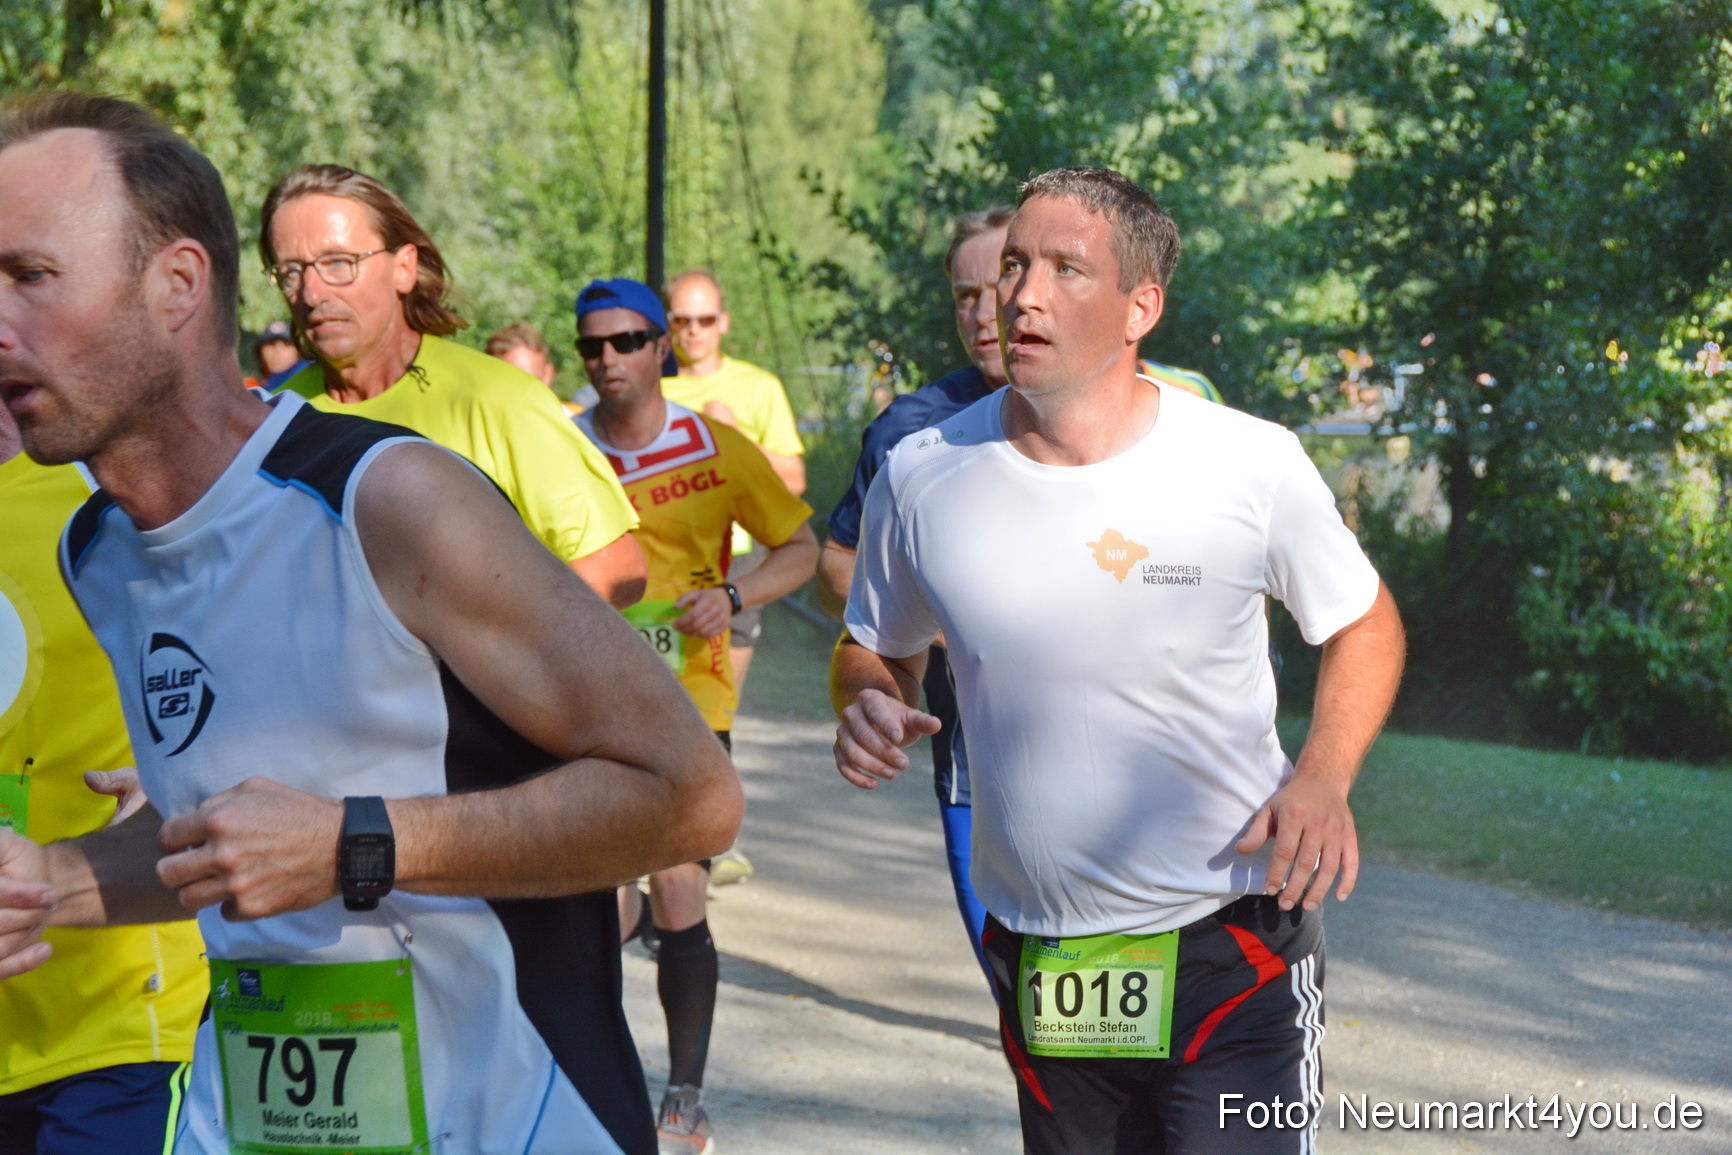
[(724, 323), (1147, 302), (406, 266), (177, 282)]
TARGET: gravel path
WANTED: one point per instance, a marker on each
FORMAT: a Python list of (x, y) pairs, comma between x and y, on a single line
[(853, 1017)]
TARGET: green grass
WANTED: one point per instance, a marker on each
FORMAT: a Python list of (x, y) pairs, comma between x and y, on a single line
[(1650, 838)]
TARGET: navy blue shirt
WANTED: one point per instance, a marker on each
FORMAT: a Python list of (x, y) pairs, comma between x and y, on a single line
[(910, 413)]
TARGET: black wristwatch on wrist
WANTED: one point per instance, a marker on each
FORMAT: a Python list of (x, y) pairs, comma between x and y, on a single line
[(367, 855), (733, 592)]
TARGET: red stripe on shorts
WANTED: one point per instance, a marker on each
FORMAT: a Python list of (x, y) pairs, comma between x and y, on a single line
[(1018, 1060), (1268, 967)]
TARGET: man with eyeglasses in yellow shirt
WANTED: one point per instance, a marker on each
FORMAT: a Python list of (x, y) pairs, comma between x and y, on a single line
[(367, 289)]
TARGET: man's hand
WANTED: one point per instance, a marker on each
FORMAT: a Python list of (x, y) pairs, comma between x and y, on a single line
[(708, 612), (259, 849), (716, 411), (1314, 837), (870, 739), (26, 901), (123, 786)]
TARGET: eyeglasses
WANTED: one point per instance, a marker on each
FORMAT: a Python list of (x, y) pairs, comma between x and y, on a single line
[(590, 347), (334, 269), (681, 321)]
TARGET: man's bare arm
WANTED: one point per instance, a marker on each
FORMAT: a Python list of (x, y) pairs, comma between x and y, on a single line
[(617, 571), (1309, 817), (791, 468), (644, 786), (835, 578), (784, 569), (103, 878), (877, 699)]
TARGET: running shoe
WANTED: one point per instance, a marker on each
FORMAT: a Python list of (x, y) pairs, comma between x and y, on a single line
[(730, 867), (683, 1127)]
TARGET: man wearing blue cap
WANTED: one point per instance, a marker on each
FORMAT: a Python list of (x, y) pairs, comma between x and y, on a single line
[(691, 479)]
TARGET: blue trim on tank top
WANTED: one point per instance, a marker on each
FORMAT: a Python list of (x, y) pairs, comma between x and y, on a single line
[(293, 483), (78, 562), (552, 1074)]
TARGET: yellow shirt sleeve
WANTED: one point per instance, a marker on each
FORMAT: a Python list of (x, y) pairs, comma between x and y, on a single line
[(122, 994), (771, 417), (555, 476), (758, 501)]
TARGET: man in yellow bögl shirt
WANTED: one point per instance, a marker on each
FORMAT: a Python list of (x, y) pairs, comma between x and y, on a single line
[(692, 480), (366, 287), (94, 1043)]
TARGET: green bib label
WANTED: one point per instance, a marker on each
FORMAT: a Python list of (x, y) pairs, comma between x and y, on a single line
[(319, 1057), (1106, 996), (654, 621), (14, 802)]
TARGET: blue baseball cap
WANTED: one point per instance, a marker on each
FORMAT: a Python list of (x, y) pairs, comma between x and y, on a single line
[(625, 293)]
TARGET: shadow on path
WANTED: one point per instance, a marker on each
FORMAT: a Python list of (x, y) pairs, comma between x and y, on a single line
[(769, 980)]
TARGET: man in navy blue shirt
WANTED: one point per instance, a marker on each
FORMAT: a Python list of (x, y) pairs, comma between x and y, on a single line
[(976, 243)]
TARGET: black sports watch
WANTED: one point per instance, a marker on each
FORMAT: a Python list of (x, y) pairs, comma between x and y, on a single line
[(367, 855), (733, 592)]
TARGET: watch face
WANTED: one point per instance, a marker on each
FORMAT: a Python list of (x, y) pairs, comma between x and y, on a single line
[(369, 862)]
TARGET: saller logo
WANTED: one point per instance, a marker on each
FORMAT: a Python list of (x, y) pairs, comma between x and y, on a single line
[(177, 692)]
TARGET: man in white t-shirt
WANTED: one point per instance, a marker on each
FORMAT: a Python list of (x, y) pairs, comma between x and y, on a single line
[(1095, 549)]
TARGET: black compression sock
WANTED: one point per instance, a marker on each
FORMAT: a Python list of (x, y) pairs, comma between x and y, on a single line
[(686, 975)]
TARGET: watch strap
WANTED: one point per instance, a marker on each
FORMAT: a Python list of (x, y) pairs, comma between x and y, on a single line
[(733, 592)]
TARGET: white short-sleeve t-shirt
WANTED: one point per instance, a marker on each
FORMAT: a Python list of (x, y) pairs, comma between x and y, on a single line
[(1106, 627)]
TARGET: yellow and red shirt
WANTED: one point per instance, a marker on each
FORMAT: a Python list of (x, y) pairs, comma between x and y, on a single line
[(690, 487), (124, 994)]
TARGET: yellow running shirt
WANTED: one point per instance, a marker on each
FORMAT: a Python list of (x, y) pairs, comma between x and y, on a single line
[(690, 486), (512, 427), (759, 404), (126, 994)]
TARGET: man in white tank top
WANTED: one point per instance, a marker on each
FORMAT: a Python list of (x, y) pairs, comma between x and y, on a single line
[(1096, 549), (398, 755)]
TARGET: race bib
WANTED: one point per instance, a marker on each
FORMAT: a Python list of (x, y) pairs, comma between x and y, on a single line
[(654, 621), (14, 801), (1105, 996), (319, 1057)]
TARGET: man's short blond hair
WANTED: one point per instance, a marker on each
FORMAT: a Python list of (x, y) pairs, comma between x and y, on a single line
[(1144, 238)]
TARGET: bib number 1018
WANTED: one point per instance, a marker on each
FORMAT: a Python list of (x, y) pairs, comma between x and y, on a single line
[(1100, 996), (1069, 992)]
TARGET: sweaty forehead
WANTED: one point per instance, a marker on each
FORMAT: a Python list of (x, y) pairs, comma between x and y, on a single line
[(1052, 224), (311, 226), (694, 293), (61, 189)]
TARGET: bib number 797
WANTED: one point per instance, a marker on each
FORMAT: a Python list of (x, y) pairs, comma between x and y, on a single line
[(299, 1067)]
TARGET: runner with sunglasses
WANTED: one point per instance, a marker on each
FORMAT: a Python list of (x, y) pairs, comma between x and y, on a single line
[(692, 479), (367, 289)]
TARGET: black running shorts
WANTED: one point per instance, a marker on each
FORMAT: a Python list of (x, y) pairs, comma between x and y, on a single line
[(1244, 1076)]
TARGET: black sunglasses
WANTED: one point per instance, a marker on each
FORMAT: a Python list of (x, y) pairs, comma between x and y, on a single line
[(590, 347)]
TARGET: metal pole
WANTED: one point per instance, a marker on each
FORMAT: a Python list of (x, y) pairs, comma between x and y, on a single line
[(655, 223)]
